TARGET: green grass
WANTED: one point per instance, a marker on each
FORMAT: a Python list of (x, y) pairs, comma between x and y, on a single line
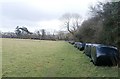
[(34, 58), (0, 58)]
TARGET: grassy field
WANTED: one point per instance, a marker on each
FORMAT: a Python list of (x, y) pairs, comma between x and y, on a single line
[(0, 58), (34, 58)]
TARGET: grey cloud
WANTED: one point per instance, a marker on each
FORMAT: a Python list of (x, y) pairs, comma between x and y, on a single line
[(20, 11)]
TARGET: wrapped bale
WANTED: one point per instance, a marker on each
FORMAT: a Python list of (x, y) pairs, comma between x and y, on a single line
[(104, 55)]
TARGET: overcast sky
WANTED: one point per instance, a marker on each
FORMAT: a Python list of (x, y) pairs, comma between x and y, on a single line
[(39, 14)]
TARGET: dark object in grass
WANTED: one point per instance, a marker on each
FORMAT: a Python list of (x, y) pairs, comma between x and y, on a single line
[(102, 55), (62, 59), (82, 47), (79, 45), (71, 42), (87, 49)]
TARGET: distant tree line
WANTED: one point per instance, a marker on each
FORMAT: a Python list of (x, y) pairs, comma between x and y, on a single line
[(42, 34)]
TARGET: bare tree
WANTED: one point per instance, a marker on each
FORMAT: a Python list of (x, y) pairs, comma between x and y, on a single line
[(71, 22), (61, 35), (38, 33), (43, 32), (76, 20)]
